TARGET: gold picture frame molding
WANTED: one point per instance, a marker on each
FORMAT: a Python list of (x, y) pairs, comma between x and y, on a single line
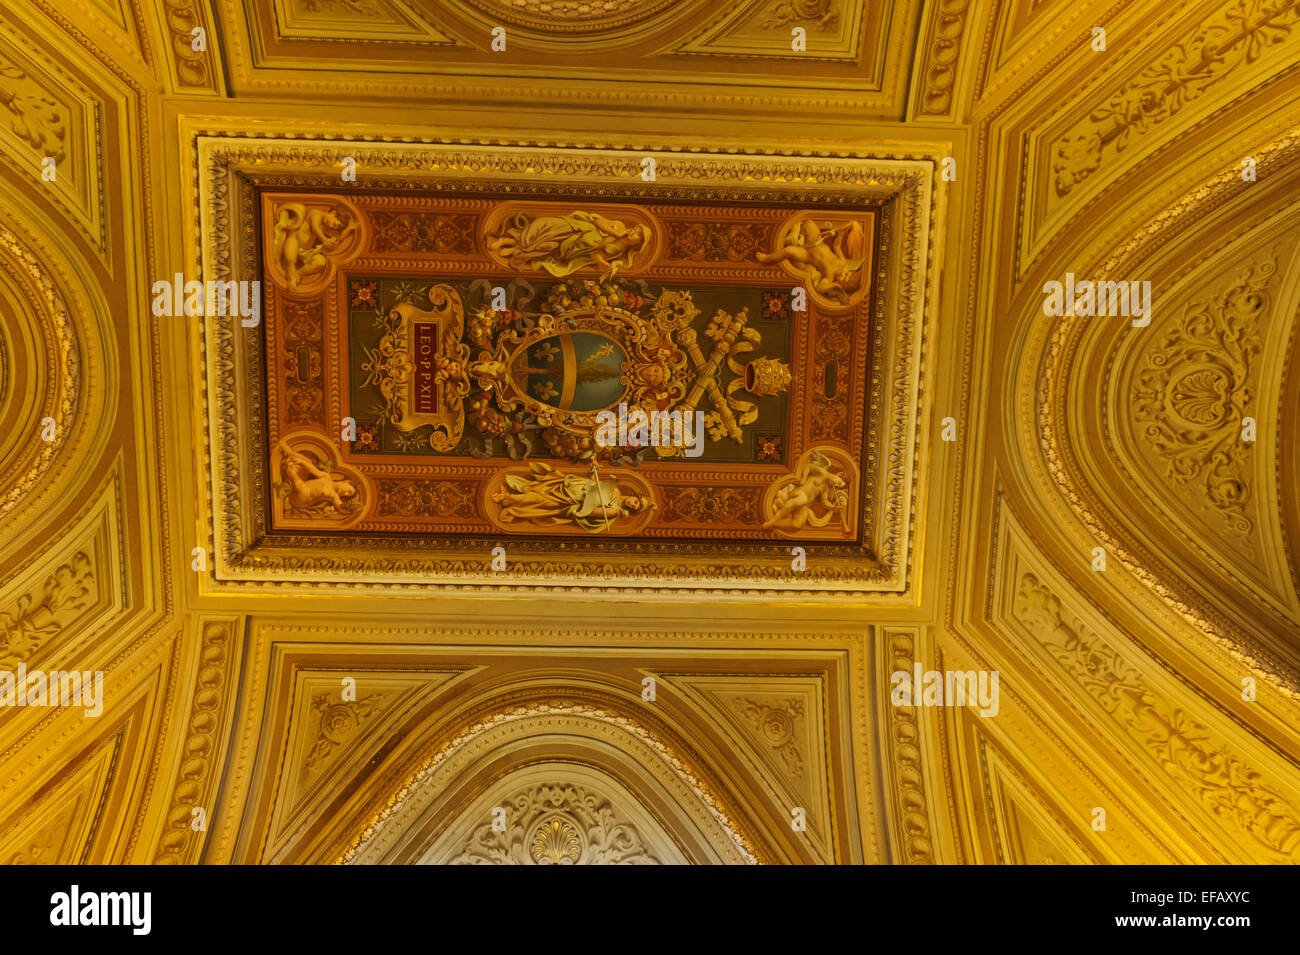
[(230, 167)]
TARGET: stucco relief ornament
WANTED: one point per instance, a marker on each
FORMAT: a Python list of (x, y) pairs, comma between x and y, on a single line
[(564, 18), (1193, 753), (1195, 387), (828, 255), (558, 824), (38, 616), (1077, 158), (339, 722), (309, 240), (37, 119), (775, 722), (313, 489), (796, 11), (819, 494)]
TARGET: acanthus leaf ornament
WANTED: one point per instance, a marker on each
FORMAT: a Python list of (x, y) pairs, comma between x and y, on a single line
[(558, 824), (1195, 386)]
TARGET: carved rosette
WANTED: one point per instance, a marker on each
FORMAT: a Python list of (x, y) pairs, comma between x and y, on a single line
[(775, 723), (339, 723)]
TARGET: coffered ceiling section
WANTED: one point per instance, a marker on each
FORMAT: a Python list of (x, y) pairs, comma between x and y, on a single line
[(443, 736), (755, 53), (497, 364)]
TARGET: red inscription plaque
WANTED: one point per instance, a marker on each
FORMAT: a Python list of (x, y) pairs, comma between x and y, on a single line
[(424, 346)]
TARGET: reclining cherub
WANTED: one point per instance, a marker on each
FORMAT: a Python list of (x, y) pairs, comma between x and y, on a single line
[(304, 236), (309, 486), (830, 259), (814, 483)]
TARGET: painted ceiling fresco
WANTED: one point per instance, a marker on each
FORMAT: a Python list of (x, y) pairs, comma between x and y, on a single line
[(466, 364)]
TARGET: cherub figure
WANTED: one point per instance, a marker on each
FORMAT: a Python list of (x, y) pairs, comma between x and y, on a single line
[(814, 483), (490, 371), (309, 486), (830, 259), (303, 237)]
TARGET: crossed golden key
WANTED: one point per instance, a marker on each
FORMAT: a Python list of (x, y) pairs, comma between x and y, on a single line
[(706, 376)]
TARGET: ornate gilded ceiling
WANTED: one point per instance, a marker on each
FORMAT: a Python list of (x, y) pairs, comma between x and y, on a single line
[(363, 582), (692, 52)]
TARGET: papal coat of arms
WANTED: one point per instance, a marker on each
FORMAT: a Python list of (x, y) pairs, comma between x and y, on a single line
[(534, 376)]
